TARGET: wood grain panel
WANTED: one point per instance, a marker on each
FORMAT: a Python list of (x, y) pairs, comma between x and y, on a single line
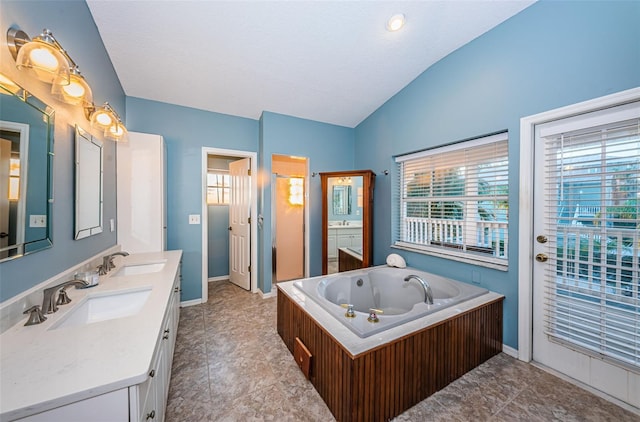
[(381, 383)]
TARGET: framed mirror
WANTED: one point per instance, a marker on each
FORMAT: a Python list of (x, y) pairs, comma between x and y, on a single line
[(341, 199), (88, 193), (347, 220), (26, 179)]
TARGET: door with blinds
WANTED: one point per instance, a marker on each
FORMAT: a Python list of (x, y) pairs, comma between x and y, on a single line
[(586, 247)]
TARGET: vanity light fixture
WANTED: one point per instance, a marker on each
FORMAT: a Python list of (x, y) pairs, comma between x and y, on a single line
[(395, 22), (50, 63), (77, 92), (43, 55), (106, 119)]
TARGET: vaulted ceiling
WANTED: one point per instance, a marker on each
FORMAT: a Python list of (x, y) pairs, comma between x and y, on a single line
[(329, 61)]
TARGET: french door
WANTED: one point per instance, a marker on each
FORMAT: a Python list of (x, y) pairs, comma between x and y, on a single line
[(586, 249)]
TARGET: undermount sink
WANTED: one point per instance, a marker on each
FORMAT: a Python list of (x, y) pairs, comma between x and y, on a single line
[(103, 307), (138, 269)]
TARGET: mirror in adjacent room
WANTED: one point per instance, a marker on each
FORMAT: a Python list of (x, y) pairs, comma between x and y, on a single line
[(347, 220), (341, 199), (88, 194), (26, 162)]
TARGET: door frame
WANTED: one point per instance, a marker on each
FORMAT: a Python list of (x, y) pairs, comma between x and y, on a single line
[(253, 156), (525, 201)]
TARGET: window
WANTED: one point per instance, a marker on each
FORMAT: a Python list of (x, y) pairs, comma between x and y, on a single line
[(454, 201), (218, 187)]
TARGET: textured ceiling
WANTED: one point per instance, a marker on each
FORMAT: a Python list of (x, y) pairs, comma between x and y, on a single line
[(329, 61)]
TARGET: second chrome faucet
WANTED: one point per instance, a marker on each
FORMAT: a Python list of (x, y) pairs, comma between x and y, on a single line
[(107, 262)]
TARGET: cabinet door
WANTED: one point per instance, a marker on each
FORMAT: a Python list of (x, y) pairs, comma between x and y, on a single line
[(141, 193), (332, 244), (110, 407)]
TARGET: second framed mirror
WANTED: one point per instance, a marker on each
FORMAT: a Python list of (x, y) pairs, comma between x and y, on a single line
[(347, 220)]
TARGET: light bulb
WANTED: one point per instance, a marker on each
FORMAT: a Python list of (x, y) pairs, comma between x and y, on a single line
[(74, 89), (103, 118), (43, 58), (116, 130)]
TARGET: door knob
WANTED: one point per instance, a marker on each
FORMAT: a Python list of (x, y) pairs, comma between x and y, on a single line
[(542, 257), (542, 239), (230, 228)]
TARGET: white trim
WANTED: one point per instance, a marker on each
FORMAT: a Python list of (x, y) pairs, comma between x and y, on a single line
[(525, 200), (192, 302), (510, 351), (253, 156), (471, 143), (587, 387), (218, 278), (21, 216), (272, 293), (489, 262)]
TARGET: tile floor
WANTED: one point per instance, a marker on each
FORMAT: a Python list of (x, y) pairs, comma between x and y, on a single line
[(231, 365)]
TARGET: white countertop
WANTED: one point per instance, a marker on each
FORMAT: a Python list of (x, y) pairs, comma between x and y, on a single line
[(43, 368), (356, 345)]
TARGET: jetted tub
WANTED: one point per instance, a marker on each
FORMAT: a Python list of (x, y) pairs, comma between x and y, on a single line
[(384, 288)]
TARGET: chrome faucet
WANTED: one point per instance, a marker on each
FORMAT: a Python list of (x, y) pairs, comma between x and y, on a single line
[(49, 304), (428, 294), (107, 262)]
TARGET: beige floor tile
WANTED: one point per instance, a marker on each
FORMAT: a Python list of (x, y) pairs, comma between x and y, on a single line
[(231, 365)]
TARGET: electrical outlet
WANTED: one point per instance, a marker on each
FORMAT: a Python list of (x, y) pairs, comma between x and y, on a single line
[(37, 220), (194, 218)]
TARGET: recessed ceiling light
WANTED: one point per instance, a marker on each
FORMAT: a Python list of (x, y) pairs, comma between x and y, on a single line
[(395, 22)]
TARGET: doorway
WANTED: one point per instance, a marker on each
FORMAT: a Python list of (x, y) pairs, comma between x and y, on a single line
[(288, 231), (579, 247), (233, 251)]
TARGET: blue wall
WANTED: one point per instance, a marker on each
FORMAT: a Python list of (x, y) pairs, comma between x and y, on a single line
[(72, 24), (186, 131), (218, 240), (550, 55), (328, 148)]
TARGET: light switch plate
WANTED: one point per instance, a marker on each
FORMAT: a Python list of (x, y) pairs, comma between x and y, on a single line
[(36, 220), (194, 218), (112, 224)]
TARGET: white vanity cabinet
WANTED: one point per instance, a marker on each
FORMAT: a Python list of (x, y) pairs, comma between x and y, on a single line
[(149, 399), (332, 243), (120, 367), (349, 238), (343, 237)]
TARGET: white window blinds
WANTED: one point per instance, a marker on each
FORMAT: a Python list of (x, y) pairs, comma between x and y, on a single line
[(453, 200), (592, 204)]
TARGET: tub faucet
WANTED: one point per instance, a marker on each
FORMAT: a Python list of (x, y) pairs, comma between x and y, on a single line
[(107, 262), (428, 294), (49, 304)]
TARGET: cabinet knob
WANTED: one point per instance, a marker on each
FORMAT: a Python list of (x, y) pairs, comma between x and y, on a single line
[(152, 373), (151, 415)]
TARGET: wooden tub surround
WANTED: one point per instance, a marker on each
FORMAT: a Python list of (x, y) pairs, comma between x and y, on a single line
[(390, 376)]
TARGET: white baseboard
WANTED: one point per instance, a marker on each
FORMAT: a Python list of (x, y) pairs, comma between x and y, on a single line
[(272, 293), (510, 351), (193, 302), (218, 278)]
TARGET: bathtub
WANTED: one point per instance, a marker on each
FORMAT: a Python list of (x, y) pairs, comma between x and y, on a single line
[(384, 288)]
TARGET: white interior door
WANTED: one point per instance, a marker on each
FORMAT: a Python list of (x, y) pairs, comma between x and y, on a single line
[(586, 249), (239, 224)]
